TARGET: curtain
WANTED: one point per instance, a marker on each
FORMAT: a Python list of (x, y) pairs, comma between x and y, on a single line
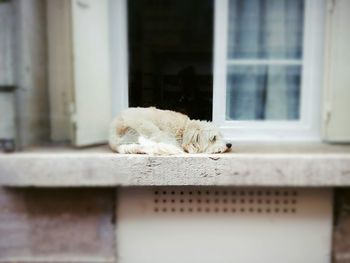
[(264, 30)]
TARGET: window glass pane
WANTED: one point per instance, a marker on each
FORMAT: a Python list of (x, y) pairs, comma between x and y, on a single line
[(264, 92), (265, 29)]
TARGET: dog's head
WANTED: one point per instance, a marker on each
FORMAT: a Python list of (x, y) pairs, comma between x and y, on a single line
[(203, 137)]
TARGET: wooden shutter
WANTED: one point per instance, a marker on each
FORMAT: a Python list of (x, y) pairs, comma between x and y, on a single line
[(79, 71), (336, 126), (91, 71)]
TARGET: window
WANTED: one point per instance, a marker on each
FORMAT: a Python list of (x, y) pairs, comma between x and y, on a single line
[(254, 67), (267, 78), (267, 64), (170, 55)]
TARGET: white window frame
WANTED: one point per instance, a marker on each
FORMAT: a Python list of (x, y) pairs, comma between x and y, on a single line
[(118, 26), (307, 128)]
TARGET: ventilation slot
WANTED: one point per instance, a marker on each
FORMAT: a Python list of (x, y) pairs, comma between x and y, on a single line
[(256, 201)]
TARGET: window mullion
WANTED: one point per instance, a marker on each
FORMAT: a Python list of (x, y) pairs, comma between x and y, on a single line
[(264, 62)]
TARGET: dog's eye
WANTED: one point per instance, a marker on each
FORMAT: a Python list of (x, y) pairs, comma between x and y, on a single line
[(213, 139)]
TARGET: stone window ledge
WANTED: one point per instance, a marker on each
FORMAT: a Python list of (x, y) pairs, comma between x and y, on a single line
[(289, 165)]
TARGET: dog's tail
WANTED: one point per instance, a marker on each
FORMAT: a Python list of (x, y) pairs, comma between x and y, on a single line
[(158, 148)]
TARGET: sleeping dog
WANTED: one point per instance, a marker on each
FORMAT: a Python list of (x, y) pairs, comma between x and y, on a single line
[(163, 132)]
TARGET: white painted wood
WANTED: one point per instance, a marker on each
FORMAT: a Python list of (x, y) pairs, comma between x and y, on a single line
[(92, 113), (271, 165), (308, 127), (79, 71), (336, 126), (264, 62), (220, 55), (119, 55), (312, 70), (147, 223), (6, 44), (60, 62)]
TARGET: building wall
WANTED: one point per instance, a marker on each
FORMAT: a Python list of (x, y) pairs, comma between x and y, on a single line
[(6, 44), (30, 68), (78, 225), (57, 225), (7, 129), (341, 236)]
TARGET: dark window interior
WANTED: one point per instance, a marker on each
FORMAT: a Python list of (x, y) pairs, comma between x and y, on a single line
[(170, 55)]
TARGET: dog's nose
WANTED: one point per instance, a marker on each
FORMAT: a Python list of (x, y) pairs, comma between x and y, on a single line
[(228, 145)]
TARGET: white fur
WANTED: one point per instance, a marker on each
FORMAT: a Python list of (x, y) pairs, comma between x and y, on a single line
[(163, 132)]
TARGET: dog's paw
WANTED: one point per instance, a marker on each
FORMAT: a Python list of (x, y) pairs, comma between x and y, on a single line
[(219, 150), (169, 149), (130, 149), (163, 149), (158, 148)]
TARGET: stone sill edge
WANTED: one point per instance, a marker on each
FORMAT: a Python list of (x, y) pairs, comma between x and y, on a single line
[(110, 170)]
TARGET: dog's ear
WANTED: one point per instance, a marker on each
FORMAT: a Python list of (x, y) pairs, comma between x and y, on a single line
[(191, 132), (190, 140)]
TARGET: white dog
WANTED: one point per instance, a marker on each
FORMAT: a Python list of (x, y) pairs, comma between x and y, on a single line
[(163, 132)]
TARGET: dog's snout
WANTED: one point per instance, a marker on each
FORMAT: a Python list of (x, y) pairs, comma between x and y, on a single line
[(228, 145)]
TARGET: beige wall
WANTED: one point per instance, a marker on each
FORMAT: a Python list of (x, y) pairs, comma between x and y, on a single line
[(31, 71), (78, 225), (6, 44), (57, 225), (7, 129)]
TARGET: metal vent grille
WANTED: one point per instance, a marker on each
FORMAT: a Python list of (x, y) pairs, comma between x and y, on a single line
[(200, 200)]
